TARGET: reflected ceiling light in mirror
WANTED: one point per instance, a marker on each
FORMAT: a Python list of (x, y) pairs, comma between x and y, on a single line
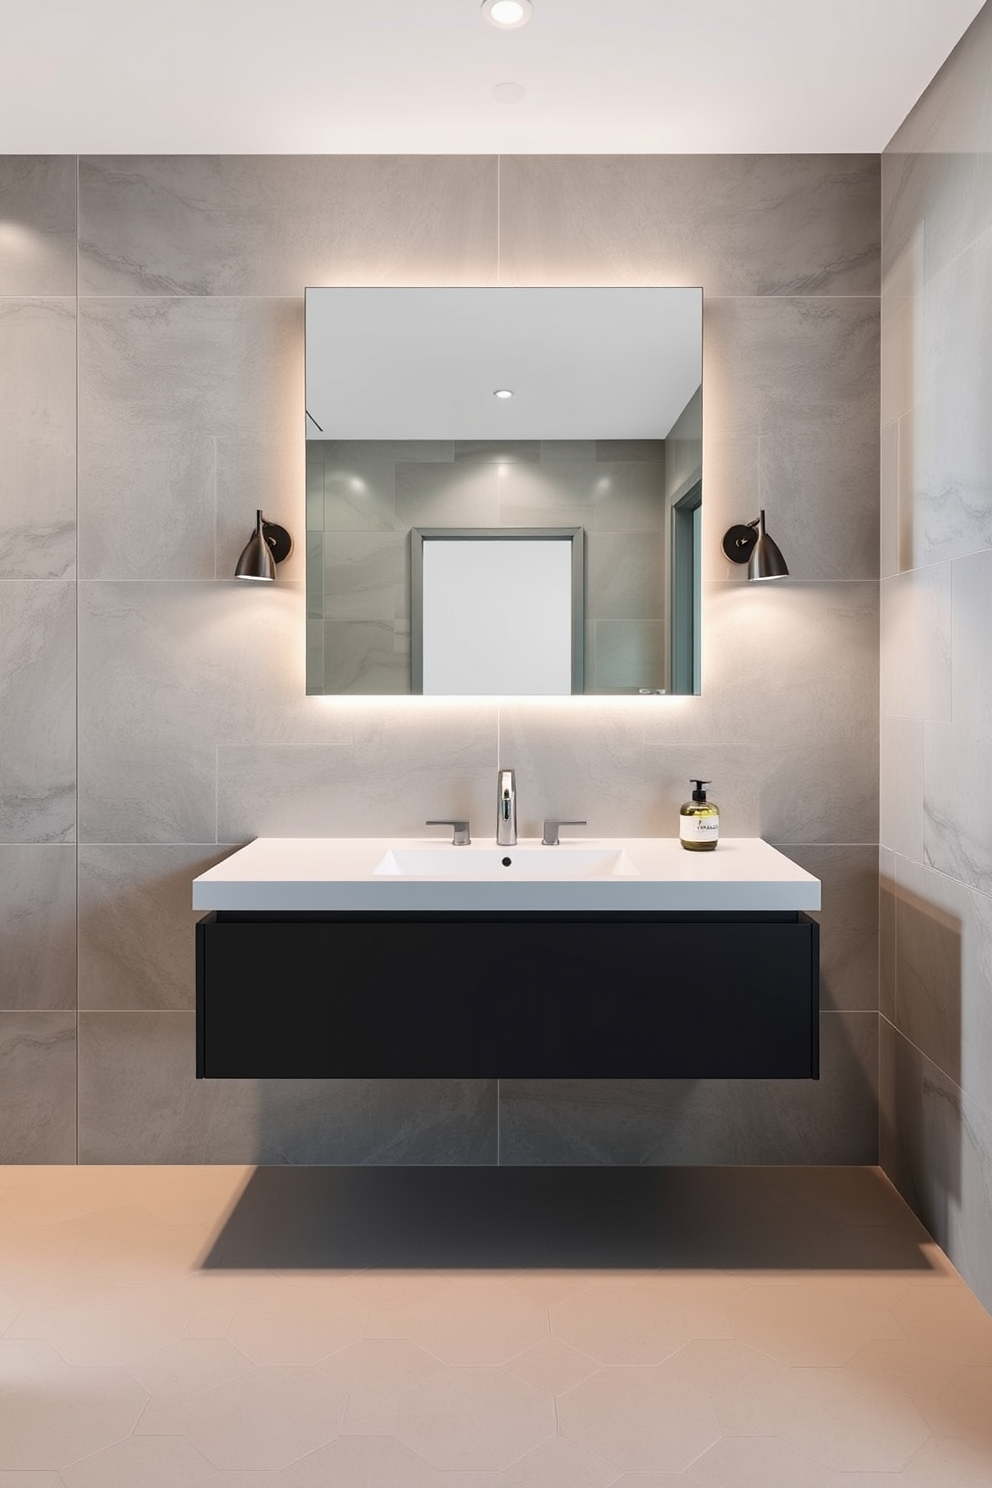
[(508, 15), (749, 543), (268, 545), (503, 393)]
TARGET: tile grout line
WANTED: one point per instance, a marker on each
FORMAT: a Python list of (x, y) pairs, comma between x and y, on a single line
[(77, 656)]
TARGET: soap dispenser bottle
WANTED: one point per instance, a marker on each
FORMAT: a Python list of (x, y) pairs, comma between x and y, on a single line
[(699, 821)]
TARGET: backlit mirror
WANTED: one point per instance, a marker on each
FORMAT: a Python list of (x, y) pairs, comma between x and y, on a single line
[(407, 435)]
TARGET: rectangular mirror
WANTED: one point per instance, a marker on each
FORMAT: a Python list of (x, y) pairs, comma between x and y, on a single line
[(602, 434)]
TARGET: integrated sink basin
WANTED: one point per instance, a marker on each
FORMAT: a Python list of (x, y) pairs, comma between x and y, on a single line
[(547, 864), (317, 874)]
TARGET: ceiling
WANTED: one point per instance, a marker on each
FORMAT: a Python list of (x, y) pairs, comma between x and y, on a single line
[(417, 76)]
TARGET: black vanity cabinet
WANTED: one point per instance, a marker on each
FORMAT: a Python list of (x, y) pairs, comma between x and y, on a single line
[(602, 995)]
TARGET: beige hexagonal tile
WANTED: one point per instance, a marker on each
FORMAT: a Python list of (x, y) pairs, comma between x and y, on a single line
[(30, 1480), (475, 1419), (841, 1420), (907, 1367), (760, 1462), (471, 1322), (117, 1325), (964, 1407), (640, 1419), (942, 1462), (548, 1287), (149, 1255), (189, 1366), (389, 1291), (28, 1363), (373, 1374), (553, 1366), (27, 1249), (79, 1411), (734, 1375), (810, 1323), (278, 1324), (621, 1325), (560, 1463), (151, 1461), (261, 1421), (373, 1462), (946, 1315)]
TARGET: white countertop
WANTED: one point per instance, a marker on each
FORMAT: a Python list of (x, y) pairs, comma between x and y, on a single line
[(656, 873)]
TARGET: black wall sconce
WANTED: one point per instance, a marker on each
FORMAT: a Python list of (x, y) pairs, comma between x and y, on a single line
[(751, 544), (268, 545)]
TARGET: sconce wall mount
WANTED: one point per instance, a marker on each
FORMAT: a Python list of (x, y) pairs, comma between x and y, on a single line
[(749, 543), (268, 545)]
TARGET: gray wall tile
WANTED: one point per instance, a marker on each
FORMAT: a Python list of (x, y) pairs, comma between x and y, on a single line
[(691, 219), (38, 435), (273, 224), (848, 919), (37, 1087), (659, 1122), (37, 926), (38, 201), (139, 1102), (37, 721), (136, 925)]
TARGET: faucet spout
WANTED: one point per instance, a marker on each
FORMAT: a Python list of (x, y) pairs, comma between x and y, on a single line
[(506, 809)]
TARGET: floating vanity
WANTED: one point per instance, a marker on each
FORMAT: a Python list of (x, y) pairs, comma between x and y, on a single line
[(399, 958)]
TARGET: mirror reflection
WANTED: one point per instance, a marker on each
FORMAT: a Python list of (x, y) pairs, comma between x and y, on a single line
[(602, 433)]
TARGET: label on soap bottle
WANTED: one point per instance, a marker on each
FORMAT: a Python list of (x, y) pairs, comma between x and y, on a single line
[(699, 828)]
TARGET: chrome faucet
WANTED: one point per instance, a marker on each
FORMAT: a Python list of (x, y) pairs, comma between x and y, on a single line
[(506, 809)]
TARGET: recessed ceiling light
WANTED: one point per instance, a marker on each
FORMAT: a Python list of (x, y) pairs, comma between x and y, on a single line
[(508, 92), (507, 14), (503, 393)]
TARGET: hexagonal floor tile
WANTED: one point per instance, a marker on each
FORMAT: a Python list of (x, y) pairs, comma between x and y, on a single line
[(642, 1420), (803, 1322), (151, 1461), (79, 1411), (474, 1420), (621, 1324), (471, 1322)]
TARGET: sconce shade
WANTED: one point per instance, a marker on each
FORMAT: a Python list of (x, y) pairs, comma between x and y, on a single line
[(751, 544), (268, 545)]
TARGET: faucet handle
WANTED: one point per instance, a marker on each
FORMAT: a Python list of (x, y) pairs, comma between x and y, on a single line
[(551, 825), (460, 836)]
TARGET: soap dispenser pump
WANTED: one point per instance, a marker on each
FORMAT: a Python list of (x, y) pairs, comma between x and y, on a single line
[(699, 821)]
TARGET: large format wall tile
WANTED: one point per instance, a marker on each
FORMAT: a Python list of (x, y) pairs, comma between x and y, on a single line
[(273, 224), (957, 1177), (38, 436), (848, 919), (185, 408), (659, 1122), (136, 925), (38, 210), (139, 1102), (37, 1087), (37, 719), (915, 629), (691, 219), (37, 926)]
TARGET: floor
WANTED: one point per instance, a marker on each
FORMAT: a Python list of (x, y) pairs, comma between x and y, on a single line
[(468, 1328)]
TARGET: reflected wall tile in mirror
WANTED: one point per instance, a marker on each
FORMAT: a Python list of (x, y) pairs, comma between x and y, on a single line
[(626, 655), (567, 449), (624, 576), (38, 249), (554, 494), (849, 921), (136, 947), (270, 225), (167, 391), (38, 1090), (363, 572), (37, 926), (691, 219), (462, 494), (501, 452), (366, 657), (359, 495), (37, 721), (38, 436)]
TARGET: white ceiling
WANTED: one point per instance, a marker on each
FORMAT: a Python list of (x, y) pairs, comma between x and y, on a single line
[(417, 76)]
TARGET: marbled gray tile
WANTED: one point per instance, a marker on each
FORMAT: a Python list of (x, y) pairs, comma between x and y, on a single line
[(957, 803), (773, 364), (38, 435), (554, 493), (410, 760), (626, 655), (359, 495), (37, 1087), (970, 625), (498, 451), (849, 922), (625, 575), (166, 673), (821, 792), (900, 786), (188, 421), (660, 1122), (37, 721), (37, 926), (834, 534), (272, 224), (904, 343), (366, 658), (366, 575), (915, 626), (887, 892), (737, 224), (136, 925), (957, 1181), (38, 209), (901, 1114), (465, 494), (140, 1103)]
